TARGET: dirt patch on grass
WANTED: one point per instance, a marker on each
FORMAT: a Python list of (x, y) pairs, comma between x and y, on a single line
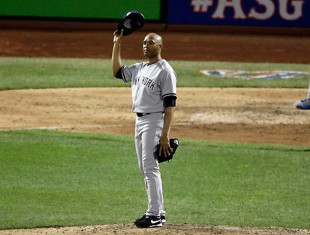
[(234, 115)]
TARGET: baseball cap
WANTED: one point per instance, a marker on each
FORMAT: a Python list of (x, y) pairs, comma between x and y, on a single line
[(132, 21)]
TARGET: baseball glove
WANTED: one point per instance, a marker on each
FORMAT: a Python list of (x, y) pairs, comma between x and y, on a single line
[(174, 144)]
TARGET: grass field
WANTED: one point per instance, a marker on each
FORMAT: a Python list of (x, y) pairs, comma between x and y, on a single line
[(53, 178), (24, 73)]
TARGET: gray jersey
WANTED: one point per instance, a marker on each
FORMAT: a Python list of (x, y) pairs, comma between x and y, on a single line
[(150, 84)]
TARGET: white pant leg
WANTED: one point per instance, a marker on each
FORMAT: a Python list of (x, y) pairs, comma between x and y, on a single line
[(148, 132)]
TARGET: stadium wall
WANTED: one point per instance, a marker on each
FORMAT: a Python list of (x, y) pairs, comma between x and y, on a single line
[(218, 16)]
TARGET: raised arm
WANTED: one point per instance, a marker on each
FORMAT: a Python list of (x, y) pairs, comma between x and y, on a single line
[(116, 52)]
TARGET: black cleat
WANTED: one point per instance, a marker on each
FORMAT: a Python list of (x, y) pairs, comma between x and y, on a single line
[(137, 220), (149, 222)]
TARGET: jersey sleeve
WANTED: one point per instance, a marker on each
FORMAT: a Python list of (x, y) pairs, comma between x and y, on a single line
[(168, 83), (126, 73)]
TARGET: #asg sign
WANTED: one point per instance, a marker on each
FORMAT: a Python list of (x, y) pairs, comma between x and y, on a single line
[(263, 10), (241, 12)]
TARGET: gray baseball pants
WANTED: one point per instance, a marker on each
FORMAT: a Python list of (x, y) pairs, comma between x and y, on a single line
[(147, 133)]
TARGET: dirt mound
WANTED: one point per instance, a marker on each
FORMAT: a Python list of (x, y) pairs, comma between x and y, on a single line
[(167, 229)]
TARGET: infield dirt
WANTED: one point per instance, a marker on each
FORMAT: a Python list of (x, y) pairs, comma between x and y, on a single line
[(232, 115)]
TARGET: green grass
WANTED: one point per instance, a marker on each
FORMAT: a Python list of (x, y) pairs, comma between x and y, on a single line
[(189, 74), (53, 178), (25, 73)]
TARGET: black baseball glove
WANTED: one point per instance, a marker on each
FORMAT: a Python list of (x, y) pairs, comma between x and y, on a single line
[(174, 144)]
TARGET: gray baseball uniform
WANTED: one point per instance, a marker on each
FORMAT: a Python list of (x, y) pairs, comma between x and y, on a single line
[(151, 83)]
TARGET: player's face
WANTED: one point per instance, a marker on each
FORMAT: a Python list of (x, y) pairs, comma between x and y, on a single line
[(151, 47)]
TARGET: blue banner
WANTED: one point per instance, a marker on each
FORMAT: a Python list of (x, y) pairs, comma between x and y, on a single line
[(279, 13)]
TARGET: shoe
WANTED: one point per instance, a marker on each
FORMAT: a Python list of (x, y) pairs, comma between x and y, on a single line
[(149, 222), (137, 220), (163, 219), (303, 104)]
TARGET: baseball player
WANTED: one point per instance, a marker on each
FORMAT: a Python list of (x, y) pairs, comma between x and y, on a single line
[(153, 100)]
